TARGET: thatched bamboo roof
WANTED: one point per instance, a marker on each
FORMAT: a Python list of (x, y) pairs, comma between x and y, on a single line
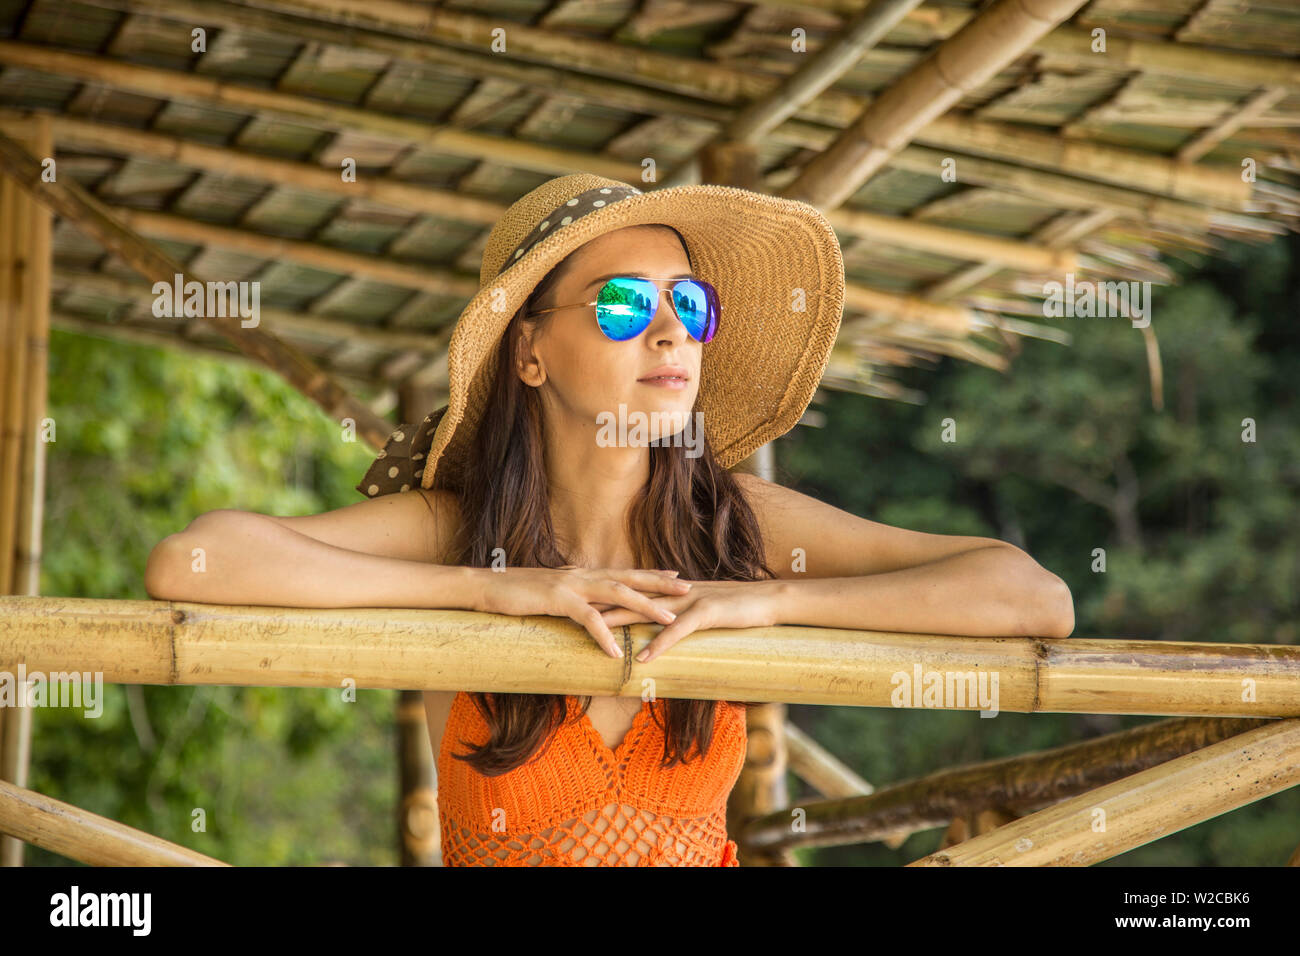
[(1104, 164)]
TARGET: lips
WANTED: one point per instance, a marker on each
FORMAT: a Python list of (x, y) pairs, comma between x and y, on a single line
[(666, 373)]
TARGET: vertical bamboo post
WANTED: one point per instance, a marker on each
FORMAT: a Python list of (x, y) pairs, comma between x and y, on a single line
[(25, 267), (417, 810)]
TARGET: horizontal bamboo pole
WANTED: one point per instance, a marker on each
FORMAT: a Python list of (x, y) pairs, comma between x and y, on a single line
[(1074, 45), (87, 134), (1019, 784), (173, 642), (410, 275), (209, 91), (84, 836), (1131, 812), (1116, 165), (427, 278), (229, 161), (1126, 167), (280, 321), (957, 243)]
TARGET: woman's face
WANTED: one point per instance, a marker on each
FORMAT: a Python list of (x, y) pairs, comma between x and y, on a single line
[(582, 373)]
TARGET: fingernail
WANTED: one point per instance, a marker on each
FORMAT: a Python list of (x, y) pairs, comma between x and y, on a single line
[(618, 651), (641, 657), (671, 615)]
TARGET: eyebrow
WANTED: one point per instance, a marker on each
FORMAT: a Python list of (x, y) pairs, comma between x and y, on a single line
[(612, 275)]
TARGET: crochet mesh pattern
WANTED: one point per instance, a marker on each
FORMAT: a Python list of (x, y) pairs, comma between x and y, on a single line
[(579, 803)]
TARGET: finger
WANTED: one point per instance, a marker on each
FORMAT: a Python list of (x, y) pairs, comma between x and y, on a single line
[(619, 616), (590, 618), (663, 582), (636, 601), (686, 623)]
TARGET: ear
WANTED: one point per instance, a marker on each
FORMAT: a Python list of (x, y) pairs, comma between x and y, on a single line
[(528, 364)]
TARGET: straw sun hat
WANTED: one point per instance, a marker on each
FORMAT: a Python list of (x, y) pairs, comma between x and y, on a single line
[(779, 275)]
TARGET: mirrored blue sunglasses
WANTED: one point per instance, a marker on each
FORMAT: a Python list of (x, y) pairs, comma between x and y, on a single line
[(626, 305)]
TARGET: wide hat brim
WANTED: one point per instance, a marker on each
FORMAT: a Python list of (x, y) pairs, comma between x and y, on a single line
[(778, 270)]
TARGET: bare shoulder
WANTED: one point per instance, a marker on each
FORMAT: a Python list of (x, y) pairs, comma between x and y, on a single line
[(772, 503)]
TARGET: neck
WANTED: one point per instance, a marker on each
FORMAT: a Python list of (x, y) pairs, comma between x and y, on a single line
[(590, 490)]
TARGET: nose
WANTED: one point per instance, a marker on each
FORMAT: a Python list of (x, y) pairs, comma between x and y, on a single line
[(675, 329)]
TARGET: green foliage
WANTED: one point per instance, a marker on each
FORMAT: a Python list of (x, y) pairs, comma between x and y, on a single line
[(146, 441), (1065, 455)]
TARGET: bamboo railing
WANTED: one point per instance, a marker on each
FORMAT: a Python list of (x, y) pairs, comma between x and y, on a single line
[(177, 642), (84, 836), (1175, 766), (1097, 825)]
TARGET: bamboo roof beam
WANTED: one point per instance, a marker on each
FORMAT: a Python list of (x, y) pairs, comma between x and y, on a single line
[(1184, 61), (1207, 139), (1021, 784), (474, 63), (382, 190), (410, 275), (138, 292), (1073, 46), (84, 836), (176, 642), (957, 243), (955, 320), (444, 282), (471, 31), (960, 65), (1145, 171), (1062, 231), (409, 197), (1072, 192), (1218, 186), (194, 88), (1144, 807), (1065, 44), (66, 198)]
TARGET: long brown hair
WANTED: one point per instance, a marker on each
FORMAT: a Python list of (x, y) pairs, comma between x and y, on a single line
[(689, 516)]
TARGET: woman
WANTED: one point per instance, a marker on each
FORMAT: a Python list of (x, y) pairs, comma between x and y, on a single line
[(579, 469)]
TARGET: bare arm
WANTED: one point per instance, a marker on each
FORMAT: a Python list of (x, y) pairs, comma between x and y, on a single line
[(377, 553)]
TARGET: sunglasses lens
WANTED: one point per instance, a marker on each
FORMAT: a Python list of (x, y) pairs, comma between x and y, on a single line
[(697, 307), (625, 306)]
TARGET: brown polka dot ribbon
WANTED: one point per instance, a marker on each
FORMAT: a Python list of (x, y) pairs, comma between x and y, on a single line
[(573, 210), (400, 466)]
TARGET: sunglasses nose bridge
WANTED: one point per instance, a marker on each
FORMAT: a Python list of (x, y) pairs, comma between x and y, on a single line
[(677, 316)]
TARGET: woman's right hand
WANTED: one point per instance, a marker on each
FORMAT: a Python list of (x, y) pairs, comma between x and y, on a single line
[(581, 594)]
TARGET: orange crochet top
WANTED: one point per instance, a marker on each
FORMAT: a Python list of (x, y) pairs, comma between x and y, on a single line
[(578, 803)]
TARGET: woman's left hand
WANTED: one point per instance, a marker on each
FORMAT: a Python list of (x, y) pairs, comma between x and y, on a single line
[(708, 604)]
